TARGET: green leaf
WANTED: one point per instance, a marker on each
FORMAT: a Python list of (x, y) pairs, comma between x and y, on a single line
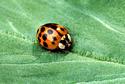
[(97, 29)]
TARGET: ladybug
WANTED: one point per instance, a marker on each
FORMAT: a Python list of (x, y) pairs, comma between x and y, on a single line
[(53, 36)]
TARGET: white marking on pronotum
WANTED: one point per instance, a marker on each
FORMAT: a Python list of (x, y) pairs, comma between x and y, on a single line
[(105, 24), (69, 37), (63, 37), (61, 46), (69, 45)]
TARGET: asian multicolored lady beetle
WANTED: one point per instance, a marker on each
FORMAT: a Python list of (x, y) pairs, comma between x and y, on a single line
[(53, 37)]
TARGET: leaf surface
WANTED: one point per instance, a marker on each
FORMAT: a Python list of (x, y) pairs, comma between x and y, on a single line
[(97, 29)]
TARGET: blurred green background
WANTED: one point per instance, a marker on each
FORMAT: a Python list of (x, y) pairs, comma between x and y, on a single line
[(96, 26)]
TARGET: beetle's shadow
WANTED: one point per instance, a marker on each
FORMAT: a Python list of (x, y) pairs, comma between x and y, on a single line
[(43, 55)]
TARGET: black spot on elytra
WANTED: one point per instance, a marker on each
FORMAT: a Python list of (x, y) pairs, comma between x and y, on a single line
[(60, 34), (42, 29), (50, 31), (44, 37), (54, 38), (54, 27), (39, 34), (51, 25), (53, 43), (62, 29), (45, 44)]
